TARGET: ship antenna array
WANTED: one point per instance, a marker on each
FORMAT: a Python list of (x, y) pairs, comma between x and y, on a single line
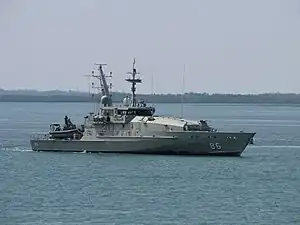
[(152, 87), (133, 80), (92, 85), (182, 93)]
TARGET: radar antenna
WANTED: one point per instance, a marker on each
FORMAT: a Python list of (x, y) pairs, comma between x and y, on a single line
[(133, 80)]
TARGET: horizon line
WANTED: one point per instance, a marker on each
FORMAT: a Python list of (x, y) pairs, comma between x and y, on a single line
[(123, 92)]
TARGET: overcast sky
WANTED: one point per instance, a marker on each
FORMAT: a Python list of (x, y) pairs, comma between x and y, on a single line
[(232, 46)]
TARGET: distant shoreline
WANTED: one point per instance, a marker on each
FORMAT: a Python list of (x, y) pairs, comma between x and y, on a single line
[(60, 96), (185, 103)]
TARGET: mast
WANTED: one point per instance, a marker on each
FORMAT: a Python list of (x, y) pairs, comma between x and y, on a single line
[(133, 80)]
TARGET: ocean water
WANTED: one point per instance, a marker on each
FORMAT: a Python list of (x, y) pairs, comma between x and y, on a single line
[(260, 187)]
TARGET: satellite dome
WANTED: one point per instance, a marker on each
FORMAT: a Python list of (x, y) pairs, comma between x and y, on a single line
[(104, 100), (126, 101)]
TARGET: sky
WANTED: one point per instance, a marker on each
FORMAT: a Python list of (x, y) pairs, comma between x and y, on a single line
[(232, 46)]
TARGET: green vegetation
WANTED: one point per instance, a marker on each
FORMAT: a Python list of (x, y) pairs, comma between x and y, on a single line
[(72, 96)]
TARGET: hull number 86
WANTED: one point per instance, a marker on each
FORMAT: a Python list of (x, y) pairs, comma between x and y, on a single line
[(214, 146)]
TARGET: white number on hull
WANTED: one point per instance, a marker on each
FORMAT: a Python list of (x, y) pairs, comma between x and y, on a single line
[(215, 146)]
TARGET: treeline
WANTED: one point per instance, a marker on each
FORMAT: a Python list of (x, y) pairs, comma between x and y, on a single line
[(73, 96)]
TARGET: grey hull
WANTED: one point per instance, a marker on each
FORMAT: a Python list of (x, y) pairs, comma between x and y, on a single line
[(181, 143)]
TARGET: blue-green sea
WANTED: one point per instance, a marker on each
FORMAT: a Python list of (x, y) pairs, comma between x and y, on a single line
[(260, 187)]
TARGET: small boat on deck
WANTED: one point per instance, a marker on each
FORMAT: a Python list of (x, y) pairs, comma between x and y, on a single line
[(69, 130)]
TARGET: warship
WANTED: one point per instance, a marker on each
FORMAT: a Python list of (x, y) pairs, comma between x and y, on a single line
[(134, 128)]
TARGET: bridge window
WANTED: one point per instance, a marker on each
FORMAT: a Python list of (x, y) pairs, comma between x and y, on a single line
[(136, 111)]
